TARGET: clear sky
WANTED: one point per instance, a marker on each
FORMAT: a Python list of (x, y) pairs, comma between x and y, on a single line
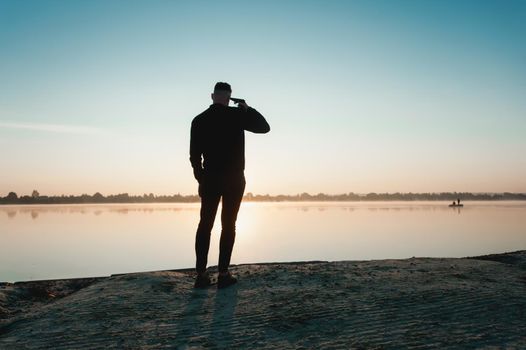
[(362, 96)]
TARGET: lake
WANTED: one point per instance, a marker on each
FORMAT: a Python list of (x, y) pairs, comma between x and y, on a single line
[(64, 241)]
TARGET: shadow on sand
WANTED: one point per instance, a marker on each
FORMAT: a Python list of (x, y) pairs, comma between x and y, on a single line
[(208, 318)]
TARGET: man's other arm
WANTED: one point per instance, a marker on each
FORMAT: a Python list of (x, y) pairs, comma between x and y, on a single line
[(253, 121), (196, 151)]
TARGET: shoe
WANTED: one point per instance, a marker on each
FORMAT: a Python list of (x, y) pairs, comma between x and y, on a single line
[(224, 281), (202, 280)]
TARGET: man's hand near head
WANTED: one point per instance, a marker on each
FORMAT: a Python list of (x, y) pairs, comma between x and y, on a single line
[(243, 105)]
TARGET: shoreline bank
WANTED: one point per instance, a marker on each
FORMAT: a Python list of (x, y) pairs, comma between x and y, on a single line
[(412, 303)]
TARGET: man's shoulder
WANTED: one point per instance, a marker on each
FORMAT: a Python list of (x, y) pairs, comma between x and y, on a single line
[(211, 112), (201, 116)]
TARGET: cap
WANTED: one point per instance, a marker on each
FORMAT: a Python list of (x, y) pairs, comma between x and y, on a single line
[(221, 86)]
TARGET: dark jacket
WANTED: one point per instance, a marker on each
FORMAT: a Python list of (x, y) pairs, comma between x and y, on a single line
[(218, 136)]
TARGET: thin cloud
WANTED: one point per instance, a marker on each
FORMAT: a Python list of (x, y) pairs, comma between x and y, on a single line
[(66, 129)]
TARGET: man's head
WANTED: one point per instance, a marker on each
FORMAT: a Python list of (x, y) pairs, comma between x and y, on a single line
[(221, 94)]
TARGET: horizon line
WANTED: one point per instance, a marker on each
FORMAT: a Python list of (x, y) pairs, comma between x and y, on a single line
[(280, 194)]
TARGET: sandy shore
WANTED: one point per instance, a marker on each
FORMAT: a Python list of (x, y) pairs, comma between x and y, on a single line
[(415, 303)]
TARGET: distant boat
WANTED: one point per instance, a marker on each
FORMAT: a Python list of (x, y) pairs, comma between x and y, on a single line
[(456, 205)]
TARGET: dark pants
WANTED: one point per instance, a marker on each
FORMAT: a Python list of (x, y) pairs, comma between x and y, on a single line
[(212, 188)]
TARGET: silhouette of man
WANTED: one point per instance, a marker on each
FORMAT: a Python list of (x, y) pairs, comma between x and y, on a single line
[(217, 154)]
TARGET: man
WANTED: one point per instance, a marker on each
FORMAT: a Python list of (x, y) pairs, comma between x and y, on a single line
[(217, 154)]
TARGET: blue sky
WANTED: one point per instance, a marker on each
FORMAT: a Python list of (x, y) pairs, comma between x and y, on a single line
[(361, 96)]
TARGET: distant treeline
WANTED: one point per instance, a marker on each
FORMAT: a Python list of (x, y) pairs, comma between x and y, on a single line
[(36, 198)]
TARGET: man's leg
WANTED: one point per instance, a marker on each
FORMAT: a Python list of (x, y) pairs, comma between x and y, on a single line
[(231, 202), (209, 204)]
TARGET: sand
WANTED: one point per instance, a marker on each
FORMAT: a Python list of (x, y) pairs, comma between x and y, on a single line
[(415, 303)]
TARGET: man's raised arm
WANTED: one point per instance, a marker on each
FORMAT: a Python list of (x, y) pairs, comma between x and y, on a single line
[(253, 121)]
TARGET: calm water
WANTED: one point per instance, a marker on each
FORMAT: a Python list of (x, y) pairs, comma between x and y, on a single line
[(60, 241)]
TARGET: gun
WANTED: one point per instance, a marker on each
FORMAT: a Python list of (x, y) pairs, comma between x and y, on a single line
[(237, 100)]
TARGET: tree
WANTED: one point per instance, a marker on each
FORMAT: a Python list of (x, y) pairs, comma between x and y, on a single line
[(98, 197), (12, 196), (35, 194)]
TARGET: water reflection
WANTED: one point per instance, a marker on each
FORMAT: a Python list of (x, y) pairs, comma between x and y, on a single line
[(55, 241), (124, 209), (457, 209), (34, 211)]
